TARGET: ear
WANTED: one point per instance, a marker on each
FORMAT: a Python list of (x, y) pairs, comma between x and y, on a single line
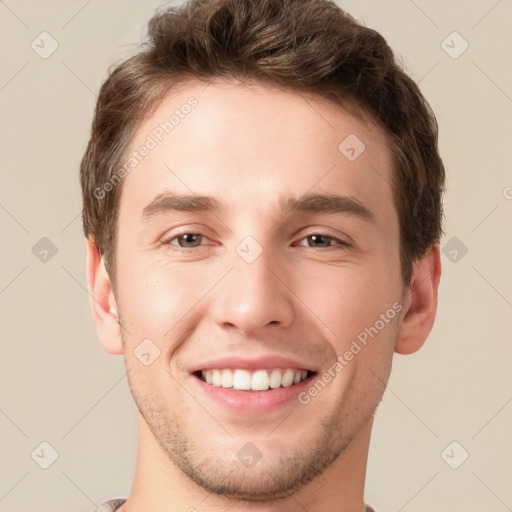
[(102, 300), (420, 303)]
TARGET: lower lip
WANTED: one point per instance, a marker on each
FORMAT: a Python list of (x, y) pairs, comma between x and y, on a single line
[(253, 401)]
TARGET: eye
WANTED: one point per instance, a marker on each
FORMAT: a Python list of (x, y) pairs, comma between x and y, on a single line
[(186, 241), (324, 240)]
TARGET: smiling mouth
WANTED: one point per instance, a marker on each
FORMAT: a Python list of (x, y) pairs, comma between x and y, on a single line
[(258, 380)]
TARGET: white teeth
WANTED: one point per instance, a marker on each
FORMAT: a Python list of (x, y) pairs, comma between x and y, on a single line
[(260, 380), (275, 378), (216, 378), (241, 379), (227, 379), (287, 378)]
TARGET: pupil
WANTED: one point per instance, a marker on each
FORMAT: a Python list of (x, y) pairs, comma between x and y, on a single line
[(189, 238), (318, 239)]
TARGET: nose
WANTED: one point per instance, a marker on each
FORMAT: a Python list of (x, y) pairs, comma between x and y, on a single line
[(255, 296)]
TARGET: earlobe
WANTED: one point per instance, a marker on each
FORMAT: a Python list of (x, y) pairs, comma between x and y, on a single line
[(102, 301), (421, 303)]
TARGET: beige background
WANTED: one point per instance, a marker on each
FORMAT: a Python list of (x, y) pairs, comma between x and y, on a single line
[(59, 387)]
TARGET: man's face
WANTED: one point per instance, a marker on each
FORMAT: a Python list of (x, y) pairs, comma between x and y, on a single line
[(255, 285)]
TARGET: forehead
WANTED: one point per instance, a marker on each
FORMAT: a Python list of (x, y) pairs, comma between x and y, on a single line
[(251, 145)]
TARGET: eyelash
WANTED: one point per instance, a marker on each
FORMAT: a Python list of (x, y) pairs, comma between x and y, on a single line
[(341, 244)]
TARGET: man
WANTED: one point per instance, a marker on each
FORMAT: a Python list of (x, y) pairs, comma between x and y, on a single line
[(262, 205)]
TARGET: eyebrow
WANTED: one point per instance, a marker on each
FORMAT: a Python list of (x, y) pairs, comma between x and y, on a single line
[(168, 202), (322, 203)]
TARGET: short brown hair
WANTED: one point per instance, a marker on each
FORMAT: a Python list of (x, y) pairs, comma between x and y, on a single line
[(304, 45)]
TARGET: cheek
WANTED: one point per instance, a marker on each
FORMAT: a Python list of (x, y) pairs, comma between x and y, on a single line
[(157, 300), (346, 299)]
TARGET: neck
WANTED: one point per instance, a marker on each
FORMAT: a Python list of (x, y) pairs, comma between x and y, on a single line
[(158, 485)]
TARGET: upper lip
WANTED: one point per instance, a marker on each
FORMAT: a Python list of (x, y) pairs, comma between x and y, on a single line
[(254, 363)]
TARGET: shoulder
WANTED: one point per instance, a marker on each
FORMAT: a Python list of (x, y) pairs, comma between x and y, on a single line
[(109, 505)]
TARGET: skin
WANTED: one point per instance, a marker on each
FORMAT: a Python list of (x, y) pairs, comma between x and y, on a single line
[(246, 147)]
